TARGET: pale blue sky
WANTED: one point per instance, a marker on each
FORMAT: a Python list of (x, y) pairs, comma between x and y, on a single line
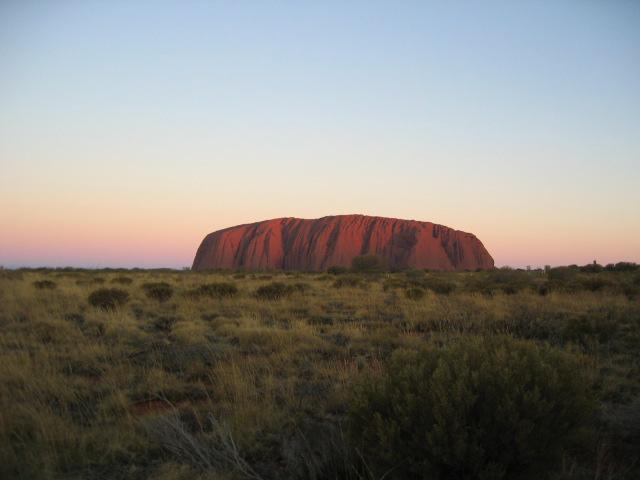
[(123, 123)]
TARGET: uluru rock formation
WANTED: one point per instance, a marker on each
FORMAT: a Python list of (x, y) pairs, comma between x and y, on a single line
[(315, 245)]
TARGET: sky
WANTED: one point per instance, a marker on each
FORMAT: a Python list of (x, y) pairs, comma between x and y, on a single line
[(129, 130)]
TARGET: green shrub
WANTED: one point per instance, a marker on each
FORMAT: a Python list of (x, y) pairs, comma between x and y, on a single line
[(160, 291), (591, 268), (623, 267), (216, 290), (300, 287), (108, 298), (394, 283), (322, 320), (415, 293), (562, 274), (274, 291), (368, 264), (44, 284), (438, 285), (76, 318), (337, 270), (122, 280), (543, 288), (593, 283), (164, 323), (90, 281), (631, 289), (505, 280), (348, 281), (479, 408), (590, 328), (415, 274)]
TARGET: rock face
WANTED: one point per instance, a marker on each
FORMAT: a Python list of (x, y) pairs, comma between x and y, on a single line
[(315, 245)]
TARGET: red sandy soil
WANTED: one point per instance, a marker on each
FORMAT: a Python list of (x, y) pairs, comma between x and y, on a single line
[(315, 245)]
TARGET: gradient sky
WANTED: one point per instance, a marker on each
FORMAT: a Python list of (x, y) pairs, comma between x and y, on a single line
[(129, 130)]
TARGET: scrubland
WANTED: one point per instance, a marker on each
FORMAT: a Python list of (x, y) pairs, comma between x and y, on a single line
[(274, 375)]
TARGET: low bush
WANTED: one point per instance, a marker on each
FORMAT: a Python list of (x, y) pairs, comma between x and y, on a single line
[(278, 290), (542, 289), (368, 264), (108, 298), (478, 408), (591, 328), (415, 274), (337, 270), (632, 289), (216, 290), (320, 320), (414, 293), (160, 291), (348, 281), (591, 268), (90, 281), (76, 318), (504, 280), (593, 283), (623, 267), (44, 284), (300, 287), (164, 323), (122, 280), (274, 291), (562, 274), (438, 285), (395, 283)]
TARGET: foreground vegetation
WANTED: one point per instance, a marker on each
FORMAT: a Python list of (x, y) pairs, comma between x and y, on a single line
[(350, 374)]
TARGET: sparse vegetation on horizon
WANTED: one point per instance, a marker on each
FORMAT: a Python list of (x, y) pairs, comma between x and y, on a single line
[(340, 375)]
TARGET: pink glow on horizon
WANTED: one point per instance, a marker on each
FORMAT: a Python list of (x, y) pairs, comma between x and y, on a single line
[(158, 244)]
